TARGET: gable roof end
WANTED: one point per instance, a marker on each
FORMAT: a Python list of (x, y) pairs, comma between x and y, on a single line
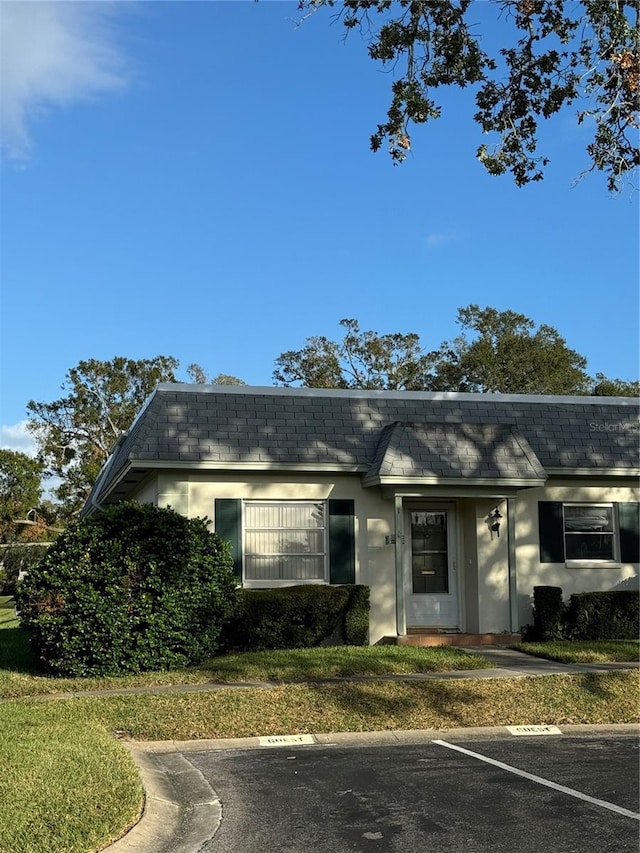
[(432, 452)]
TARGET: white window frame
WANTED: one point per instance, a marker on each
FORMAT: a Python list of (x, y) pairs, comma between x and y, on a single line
[(594, 562), (270, 583)]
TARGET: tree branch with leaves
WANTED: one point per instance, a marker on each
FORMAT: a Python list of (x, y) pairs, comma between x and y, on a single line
[(559, 54)]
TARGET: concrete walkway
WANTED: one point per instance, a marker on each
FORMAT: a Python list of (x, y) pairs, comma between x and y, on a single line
[(182, 812)]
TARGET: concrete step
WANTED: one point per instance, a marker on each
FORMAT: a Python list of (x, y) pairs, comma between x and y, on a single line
[(435, 638)]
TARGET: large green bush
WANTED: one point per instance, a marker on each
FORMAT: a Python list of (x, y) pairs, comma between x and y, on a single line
[(130, 589), (301, 616)]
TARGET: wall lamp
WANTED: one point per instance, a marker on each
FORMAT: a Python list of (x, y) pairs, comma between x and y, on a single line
[(495, 518)]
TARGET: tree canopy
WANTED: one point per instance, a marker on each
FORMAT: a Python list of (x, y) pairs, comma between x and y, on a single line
[(604, 387), (100, 400), (360, 360), (199, 376), (75, 433), (503, 352), (20, 490), (496, 352), (558, 55)]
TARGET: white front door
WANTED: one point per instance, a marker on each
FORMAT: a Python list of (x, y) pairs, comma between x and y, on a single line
[(430, 588)]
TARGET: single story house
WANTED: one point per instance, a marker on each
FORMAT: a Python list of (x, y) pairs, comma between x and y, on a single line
[(451, 507)]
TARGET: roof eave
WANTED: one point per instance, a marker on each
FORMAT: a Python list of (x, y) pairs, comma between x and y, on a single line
[(506, 482), (592, 472)]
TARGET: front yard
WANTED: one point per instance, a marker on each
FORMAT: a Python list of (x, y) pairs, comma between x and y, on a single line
[(60, 754)]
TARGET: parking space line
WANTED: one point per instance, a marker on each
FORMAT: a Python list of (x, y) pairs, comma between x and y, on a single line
[(573, 793)]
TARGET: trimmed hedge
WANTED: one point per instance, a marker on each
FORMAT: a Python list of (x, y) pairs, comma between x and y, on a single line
[(548, 613), (356, 616), (297, 617), (610, 615), (133, 588)]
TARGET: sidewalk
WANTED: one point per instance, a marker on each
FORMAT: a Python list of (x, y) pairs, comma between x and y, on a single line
[(182, 812), (508, 664)]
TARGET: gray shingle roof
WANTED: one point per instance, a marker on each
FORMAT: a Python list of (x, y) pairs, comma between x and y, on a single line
[(436, 451), (377, 433)]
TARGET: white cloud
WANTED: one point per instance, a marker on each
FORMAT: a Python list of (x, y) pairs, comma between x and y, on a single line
[(438, 238), (16, 437), (53, 54)]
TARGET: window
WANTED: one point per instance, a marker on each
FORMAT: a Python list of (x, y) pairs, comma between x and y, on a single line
[(589, 535), (284, 541), (589, 532)]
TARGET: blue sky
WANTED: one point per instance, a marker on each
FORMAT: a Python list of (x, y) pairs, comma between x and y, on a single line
[(194, 179)]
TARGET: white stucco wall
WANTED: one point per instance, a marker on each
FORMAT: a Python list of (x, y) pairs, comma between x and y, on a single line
[(531, 572), (194, 495), (493, 569), (483, 567)]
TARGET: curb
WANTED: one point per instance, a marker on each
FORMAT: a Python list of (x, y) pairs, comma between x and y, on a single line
[(181, 810), (388, 737)]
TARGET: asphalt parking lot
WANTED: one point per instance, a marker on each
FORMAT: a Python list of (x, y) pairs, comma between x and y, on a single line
[(506, 794)]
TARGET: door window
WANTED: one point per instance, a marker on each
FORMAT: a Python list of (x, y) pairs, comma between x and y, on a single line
[(429, 552)]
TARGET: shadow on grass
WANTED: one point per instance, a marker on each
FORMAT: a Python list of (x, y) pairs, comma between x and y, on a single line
[(598, 684), (431, 704), (15, 652), (293, 665)]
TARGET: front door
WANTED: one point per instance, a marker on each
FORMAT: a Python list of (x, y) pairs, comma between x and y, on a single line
[(431, 595)]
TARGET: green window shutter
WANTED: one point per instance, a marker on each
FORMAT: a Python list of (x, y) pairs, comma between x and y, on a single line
[(229, 527), (342, 542), (629, 520), (551, 530)]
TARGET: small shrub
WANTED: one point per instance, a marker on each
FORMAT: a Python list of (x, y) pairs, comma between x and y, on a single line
[(548, 613), (612, 615), (133, 588)]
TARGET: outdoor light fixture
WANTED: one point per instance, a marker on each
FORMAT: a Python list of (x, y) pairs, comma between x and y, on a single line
[(494, 522)]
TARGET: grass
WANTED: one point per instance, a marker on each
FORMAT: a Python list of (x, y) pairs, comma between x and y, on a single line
[(598, 698), (68, 786), (583, 651), (285, 666), (18, 677)]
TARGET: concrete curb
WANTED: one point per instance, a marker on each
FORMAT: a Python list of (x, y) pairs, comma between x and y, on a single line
[(181, 812), (382, 738)]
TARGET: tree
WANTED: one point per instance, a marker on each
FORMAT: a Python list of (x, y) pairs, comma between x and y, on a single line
[(75, 433), (559, 54), (604, 387), (199, 376), (507, 355), (20, 491), (500, 352), (360, 360)]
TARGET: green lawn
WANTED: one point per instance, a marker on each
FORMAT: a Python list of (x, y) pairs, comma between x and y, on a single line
[(583, 651), (19, 678), (68, 786)]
